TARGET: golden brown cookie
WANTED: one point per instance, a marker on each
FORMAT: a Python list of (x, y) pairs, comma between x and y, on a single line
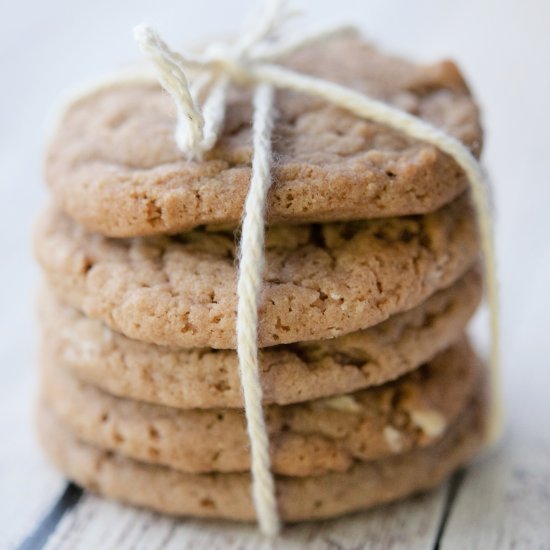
[(114, 166), (166, 490), (204, 378), (310, 438), (320, 281)]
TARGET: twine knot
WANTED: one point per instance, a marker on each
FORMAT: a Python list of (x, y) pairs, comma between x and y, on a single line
[(211, 71)]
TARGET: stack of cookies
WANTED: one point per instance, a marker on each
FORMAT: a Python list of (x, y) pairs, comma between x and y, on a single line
[(371, 389)]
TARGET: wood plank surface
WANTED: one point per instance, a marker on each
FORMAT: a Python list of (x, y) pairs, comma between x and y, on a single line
[(95, 523), (504, 501)]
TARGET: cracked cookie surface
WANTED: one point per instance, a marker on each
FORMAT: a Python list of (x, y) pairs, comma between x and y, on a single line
[(205, 378), (320, 280), (113, 164)]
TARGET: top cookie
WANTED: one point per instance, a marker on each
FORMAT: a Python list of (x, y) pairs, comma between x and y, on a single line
[(113, 164)]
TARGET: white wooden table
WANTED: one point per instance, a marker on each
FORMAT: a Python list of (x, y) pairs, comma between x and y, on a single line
[(503, 501)]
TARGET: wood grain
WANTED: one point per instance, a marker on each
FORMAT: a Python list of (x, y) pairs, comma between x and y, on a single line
[(504, 501), (95, 523)]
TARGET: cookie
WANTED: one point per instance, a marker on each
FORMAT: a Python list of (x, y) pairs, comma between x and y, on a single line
[(320, 281), (113, 164), (204, 378), (310, 438), (170, 491)]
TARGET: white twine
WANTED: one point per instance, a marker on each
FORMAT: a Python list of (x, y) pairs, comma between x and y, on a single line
[(249, 286), (250, 61)]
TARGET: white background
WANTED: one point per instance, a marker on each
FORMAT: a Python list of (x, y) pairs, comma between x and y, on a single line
[(503, 46)]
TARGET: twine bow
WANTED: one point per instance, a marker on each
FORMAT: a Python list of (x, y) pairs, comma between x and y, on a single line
[(245, 62), (252, 60)]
